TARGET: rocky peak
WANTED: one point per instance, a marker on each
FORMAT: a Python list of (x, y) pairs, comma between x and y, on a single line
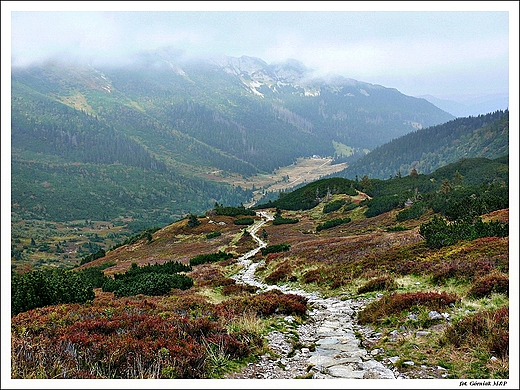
[(290, 71)]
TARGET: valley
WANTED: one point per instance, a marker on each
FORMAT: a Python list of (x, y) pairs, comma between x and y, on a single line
[(304, 170), (65, 243)]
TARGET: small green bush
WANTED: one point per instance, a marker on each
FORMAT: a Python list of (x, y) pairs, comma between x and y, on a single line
[(332, 223), (439, 233), (48, 287), (334, 205), (170, 267), (413, 212), (282, 221), (275, 248), (213, 235), (244, 221), (210, 258), (148, 284)]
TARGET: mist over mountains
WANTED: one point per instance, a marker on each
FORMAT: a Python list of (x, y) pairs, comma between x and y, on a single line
[(245, 97), (471, 105)]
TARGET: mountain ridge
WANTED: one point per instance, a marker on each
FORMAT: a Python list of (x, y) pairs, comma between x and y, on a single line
[(433, 147)]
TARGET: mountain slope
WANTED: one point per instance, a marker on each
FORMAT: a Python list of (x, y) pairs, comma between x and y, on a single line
[(471, 106), (430, 148), (469, 172), (264, 115)]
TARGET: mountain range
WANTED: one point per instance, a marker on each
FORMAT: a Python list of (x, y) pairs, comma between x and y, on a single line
[(159, 137), (471, 105)]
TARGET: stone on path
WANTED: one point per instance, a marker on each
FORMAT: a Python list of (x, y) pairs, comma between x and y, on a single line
[(375, 370)]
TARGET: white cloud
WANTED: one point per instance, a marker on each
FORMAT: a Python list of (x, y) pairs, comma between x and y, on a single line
[(368, 46)]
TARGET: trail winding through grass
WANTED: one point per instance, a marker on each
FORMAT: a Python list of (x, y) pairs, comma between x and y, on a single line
[(330, 330)]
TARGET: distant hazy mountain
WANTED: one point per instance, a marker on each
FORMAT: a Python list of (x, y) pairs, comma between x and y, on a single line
[(180, 122), (471, 106)]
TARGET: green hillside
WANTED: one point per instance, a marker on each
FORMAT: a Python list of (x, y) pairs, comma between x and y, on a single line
[(447, 185), (431, 148)]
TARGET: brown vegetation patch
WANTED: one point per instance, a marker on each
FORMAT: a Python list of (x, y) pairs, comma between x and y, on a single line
[(174, 242), (487, 285), (238, 289), (82, 341), (488, 330), (206, 274), (463, 260), (383, 283), (350, 248), (394, 304), (282, 273), (498, 215), (265, 304)]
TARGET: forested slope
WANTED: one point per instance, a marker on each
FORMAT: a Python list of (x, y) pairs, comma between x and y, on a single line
[(431, 148)]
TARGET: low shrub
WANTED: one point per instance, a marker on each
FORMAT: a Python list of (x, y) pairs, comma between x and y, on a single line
[(485, 286), (213, 235), (413, 212), (282, 221), (394, 304), (488, 329), (275, 248), (381, 204), (332, 223), (439, 233), (94, 276), (463, 269), (334, 206), (48, 287), (384, 283), (169, 268), (265, 304), (312, 276), (191, 306), (273, 257), (210, 258), (244, 221), (148, 284), (283, 273), (124, 345)]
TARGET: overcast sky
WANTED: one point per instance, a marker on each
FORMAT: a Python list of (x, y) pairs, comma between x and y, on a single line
[(436, 50)]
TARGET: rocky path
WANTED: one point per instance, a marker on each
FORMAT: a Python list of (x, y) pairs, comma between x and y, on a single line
[(327, 345)]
